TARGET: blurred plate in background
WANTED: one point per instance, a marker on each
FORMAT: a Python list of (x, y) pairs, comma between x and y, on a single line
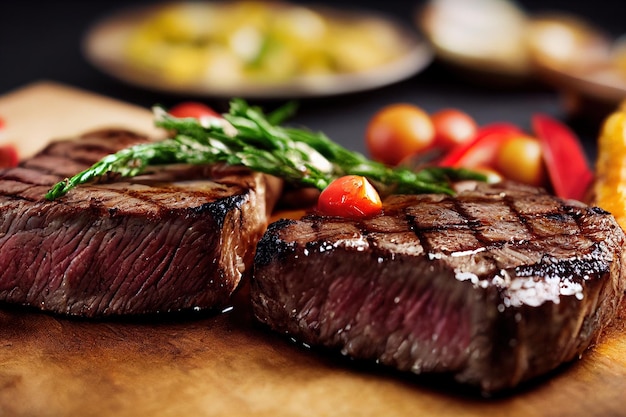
[(577, 57), (498, 38), (254, 49), (483, 36)]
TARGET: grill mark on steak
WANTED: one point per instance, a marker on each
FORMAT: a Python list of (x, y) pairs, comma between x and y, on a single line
[(495, 286), (172, 239)]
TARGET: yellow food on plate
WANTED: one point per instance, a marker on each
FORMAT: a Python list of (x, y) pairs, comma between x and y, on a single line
[(610, 185), (256, 41)]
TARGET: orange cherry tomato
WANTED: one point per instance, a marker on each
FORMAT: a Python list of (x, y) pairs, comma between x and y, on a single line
[(350, 196), (520, 159), (398, 131), (192, 109), (452, 128)]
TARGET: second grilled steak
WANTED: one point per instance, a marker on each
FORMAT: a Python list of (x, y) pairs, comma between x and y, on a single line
[(495, 286), (178, 238)]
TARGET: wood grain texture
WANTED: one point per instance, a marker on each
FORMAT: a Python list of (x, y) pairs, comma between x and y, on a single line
[(225, 364)]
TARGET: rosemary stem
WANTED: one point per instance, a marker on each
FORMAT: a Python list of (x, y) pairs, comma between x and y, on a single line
[(246, 136)]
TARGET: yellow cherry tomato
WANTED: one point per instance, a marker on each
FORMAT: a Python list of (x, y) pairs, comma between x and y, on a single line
[(520, 159), (398, 131)]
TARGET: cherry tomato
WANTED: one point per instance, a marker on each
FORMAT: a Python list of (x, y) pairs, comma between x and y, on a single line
[(8, 156), (192, 109), (350, 196), (452, 128), (520, 159), (398, 131), (1, 123)]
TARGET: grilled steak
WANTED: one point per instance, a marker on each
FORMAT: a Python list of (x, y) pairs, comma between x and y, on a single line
[(494, 286), (176, 239)]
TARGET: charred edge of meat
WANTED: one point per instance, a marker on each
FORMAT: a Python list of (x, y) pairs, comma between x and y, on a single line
[(271, 246), (599, 210), (221, 208)]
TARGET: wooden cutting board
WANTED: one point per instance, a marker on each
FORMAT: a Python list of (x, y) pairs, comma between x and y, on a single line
[(223, 364), (44, 111)]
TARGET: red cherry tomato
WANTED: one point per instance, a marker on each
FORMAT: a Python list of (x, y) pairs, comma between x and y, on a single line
[(350, 196), (1, 123), (192, 109), (398, 131), (452, 128), (8, 156)]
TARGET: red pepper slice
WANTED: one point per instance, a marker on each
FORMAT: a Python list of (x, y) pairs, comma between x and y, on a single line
[(482, 149), (564, 156)]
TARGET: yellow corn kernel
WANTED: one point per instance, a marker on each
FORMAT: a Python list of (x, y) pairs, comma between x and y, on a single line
[(610, 184)]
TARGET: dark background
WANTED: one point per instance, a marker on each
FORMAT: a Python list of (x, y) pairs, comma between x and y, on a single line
[(42, 41)]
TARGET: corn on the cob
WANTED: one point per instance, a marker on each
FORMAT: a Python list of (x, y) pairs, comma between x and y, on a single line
[(610, 185)]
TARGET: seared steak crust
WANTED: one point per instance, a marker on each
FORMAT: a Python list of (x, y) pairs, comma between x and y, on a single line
[(175, 239), (495, 285)]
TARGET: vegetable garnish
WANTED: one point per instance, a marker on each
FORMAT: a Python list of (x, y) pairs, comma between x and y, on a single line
[(565, 158), (397, 131), (453, 127), (350, 196), (246, 136), (551, 156), (482, 150), (192, 109)]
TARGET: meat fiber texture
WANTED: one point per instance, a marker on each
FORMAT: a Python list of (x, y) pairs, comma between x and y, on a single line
[(494, 286), (175, 239)]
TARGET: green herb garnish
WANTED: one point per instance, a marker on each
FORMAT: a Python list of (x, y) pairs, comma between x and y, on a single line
[(246, 136)]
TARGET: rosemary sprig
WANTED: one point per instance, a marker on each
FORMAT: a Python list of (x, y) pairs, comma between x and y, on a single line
[(247, 136)]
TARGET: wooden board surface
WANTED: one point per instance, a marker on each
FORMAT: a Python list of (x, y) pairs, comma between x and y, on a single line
[(44, 111), (224, 364)]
